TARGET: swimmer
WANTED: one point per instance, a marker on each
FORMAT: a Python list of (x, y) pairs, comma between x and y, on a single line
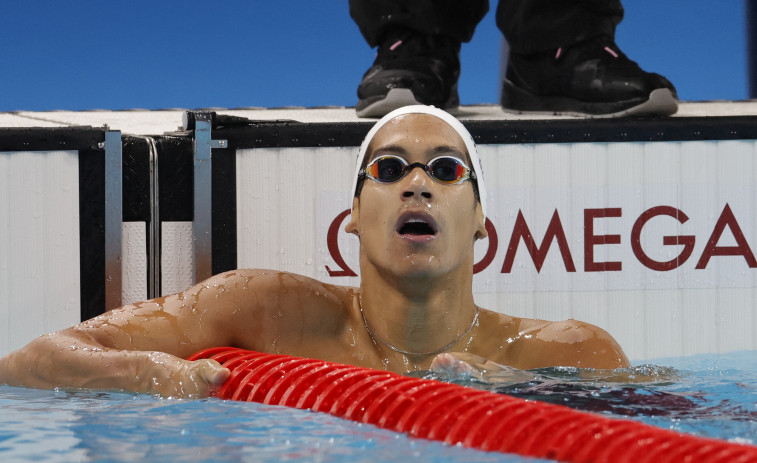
[(418, 208)]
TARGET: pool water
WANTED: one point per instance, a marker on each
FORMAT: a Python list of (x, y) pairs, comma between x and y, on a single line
[(94, 426), (706, 395), (709, 395)]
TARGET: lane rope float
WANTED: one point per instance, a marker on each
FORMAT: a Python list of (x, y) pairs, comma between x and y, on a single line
[(457, 414)]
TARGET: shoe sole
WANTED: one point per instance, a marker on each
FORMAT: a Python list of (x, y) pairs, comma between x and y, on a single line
[(395, 98), (661, 102)]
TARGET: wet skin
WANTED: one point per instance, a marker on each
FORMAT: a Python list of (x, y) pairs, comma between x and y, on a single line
[(416, 294)]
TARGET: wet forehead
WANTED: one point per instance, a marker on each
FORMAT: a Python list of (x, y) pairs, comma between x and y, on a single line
[(414, 132)]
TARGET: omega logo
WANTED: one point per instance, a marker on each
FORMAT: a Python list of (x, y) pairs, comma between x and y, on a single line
[(556, 234)]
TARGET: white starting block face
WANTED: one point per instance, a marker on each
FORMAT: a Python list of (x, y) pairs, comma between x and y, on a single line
[(39, 245), (653, 241)]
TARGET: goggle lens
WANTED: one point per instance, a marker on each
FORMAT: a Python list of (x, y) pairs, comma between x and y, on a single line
[(386, 169), (446, 170)]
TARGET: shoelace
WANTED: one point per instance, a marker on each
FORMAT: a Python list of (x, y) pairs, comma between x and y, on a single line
[(557, 55)]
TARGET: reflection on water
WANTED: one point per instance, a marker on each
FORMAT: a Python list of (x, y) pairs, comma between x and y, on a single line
[(713, 396)]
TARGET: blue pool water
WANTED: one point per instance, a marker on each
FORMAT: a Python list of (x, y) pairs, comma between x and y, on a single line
[(710, 395)]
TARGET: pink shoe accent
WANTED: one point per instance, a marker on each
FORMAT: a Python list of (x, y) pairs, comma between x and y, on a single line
[(610, 51), (395, 45), (559, 52)]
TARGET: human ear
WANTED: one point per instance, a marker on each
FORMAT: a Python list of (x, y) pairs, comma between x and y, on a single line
[(353, 226), (480, 219)]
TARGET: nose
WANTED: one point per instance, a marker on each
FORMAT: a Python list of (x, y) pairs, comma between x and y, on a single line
[(416, 185)]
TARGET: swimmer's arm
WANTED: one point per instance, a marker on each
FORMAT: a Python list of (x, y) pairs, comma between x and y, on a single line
[(69, 359), (141, 348)]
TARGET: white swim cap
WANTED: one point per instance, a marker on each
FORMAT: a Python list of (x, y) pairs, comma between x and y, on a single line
[(446, 117)]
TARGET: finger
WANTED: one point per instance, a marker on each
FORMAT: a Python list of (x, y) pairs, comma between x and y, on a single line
[(213, 373), (442, 362), (473, 360), (450, 366), (468, 357)]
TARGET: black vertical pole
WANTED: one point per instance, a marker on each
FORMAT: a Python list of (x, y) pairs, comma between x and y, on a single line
[(504, 60), (751, 46)]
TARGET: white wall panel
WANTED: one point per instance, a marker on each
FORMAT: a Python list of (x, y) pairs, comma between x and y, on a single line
[(284, 200), (39, 245), (5, 245), (134, 262), (284, 218), (176, 260)]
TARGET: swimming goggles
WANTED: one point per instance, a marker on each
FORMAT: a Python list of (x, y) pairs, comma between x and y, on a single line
[(447, 170)]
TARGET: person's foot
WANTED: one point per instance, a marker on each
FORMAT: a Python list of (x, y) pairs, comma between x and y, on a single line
[(592, 78), (410, 68)]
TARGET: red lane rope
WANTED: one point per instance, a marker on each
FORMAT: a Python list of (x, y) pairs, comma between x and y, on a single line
[(458, 415)]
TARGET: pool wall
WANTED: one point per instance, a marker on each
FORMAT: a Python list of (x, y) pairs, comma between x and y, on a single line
[(646, 228)]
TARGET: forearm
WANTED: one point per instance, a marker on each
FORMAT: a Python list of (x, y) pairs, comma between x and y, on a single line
[(71, 359), (67, 360)]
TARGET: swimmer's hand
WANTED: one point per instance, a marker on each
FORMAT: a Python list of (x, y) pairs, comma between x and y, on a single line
[(465, 366), (173, 377)]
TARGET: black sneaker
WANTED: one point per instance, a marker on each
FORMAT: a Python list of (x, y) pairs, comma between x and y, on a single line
[(592, 78), (410, 68)]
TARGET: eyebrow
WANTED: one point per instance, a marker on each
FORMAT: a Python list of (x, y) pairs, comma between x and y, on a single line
[(452, 150), (387, 149)]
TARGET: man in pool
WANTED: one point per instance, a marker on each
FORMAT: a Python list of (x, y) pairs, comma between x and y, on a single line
[(418, 209)]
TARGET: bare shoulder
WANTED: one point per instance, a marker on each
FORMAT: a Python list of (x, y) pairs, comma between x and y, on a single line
[(534, 343), (262, 285), (576, 343), (274, 295), (242, 308), (271, 286), (274, 306), (569, 331)]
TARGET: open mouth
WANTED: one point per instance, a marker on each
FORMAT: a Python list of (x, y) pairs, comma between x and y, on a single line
[(416, 225)]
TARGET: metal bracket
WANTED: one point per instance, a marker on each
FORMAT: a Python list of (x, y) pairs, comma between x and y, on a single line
[(202, 218), (113, 218)]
